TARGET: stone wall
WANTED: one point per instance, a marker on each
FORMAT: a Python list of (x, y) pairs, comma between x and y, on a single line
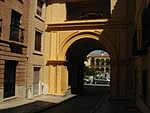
[(6, 45)]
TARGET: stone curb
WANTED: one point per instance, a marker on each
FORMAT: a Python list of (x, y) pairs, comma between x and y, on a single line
[(35, 108)]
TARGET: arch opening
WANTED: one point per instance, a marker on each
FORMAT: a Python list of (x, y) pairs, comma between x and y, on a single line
[(75, 56), (97, 68)]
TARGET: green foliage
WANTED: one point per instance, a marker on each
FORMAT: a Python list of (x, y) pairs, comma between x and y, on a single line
[(89, 71)]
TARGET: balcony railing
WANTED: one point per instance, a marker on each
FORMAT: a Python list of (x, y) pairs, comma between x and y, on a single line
[(16, 33)]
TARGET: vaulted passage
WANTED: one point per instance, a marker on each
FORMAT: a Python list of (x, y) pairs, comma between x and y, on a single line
[(75, 57)]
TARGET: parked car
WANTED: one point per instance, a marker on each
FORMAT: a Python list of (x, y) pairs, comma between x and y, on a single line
[(86, 81), (101, 81)]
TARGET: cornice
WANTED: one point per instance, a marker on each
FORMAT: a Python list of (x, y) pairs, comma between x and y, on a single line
[(56, 62), (86, 24), (11, 42), (55, 1)]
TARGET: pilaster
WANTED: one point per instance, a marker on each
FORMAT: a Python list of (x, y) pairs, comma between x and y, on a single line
[(58, 77)]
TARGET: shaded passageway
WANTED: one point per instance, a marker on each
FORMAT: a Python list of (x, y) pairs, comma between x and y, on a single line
[(87, 102), (93, 100), (75, 56)]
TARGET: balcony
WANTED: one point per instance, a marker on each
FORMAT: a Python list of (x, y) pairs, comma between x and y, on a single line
[(17, 39)]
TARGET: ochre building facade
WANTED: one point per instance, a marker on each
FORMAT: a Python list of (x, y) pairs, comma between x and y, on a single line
[(69, 39), (50, 39)]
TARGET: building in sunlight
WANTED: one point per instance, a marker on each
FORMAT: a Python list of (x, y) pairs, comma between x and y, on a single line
[(44, 43), (13, 48), (36, 65), (99, 61)]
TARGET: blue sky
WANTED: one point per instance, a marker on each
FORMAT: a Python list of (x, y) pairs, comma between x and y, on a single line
[(97, 52)]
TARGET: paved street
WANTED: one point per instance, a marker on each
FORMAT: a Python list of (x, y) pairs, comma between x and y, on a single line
[(94, 100), (87, 102)]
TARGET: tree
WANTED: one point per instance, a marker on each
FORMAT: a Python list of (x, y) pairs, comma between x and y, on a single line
[(89, 71)]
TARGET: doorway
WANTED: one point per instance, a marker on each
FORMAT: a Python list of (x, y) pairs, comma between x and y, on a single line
[(9, 78), (36, 78)]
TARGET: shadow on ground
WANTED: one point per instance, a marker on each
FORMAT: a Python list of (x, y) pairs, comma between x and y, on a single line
[(28, 108), (94, 90)]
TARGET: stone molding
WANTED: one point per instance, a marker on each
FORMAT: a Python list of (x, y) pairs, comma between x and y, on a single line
[(90, 24), (56, 62)]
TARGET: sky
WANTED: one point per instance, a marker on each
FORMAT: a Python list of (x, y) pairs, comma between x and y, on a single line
[(97, 52)]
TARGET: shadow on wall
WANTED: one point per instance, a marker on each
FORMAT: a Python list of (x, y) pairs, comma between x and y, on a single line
[(118, 43)]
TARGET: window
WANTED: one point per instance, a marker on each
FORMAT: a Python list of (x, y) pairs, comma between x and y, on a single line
[(97, 62), (107, 69), (38, 37), (16, 33), (92, 61), (107, 61), (102, 61), (102, 69), (39, 7), (0, 26)]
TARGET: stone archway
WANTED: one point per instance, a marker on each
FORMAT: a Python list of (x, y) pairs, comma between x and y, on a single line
[(106, 44), (87, 41), (75, 57)]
